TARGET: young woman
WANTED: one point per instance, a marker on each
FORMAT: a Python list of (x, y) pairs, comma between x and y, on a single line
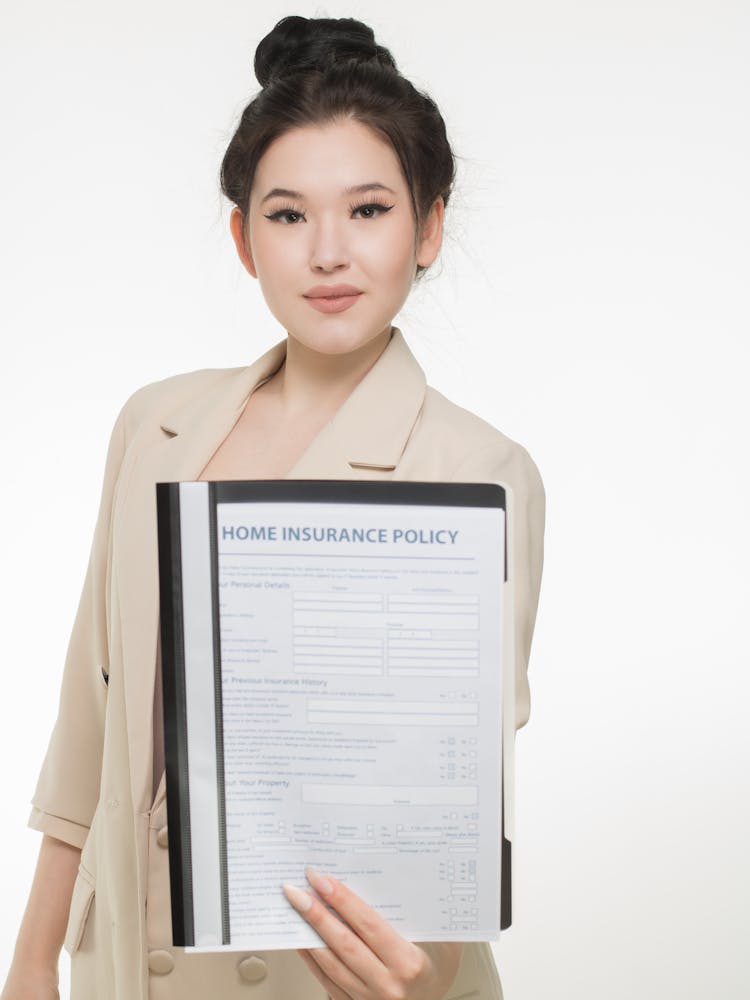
[(339, 171)]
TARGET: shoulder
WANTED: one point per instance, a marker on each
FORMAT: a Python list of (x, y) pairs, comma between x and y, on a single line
[(156, 400), (476, 449)]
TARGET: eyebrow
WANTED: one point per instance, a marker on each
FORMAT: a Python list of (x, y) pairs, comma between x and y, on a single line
[(355, 189)]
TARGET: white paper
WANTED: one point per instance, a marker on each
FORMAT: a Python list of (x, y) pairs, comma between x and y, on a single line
[(362, 716)]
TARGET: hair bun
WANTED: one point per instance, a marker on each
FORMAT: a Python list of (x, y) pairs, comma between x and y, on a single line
[(298, 43)]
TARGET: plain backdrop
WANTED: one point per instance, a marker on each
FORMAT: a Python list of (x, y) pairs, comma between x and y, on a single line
[(591, 301)]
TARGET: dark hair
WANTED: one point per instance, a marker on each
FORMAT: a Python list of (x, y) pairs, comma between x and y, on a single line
[(318, 70)]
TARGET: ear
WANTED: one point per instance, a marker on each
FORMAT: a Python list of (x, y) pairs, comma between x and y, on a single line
[(432, 234), (237, 227)]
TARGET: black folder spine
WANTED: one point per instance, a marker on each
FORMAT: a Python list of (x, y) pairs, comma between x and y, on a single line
[(506, 884), (175, 713)]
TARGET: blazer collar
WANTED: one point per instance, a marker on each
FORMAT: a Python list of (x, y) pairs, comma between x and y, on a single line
[(370, 429)]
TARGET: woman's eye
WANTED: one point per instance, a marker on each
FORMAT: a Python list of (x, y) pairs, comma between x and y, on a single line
[(369, 206), (283, 213)]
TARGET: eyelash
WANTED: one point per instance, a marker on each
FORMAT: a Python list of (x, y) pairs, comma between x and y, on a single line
[(352, 208)]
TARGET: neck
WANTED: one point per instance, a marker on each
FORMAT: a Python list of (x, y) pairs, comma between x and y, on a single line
[(311, 382)]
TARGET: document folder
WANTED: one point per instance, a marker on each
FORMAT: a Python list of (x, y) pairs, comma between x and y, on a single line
[(337, 667)]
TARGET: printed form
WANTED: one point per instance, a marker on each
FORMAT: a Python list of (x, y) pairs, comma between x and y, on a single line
[(361, 715)]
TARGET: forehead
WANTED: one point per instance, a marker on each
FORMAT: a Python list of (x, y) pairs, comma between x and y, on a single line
[(324, 159)]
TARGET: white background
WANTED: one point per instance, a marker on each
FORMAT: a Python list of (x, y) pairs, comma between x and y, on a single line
[(591, 302)]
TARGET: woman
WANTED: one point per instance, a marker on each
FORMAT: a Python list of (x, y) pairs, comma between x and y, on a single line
[(339, 172)]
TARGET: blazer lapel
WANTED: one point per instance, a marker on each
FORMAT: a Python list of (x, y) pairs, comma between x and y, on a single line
[(364, 440), (369, 431)]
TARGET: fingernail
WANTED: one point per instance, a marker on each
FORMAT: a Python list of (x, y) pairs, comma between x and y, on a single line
[(318, 881), (299, 898)]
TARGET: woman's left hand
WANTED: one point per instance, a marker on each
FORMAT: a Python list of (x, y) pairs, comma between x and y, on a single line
[(369, 960)]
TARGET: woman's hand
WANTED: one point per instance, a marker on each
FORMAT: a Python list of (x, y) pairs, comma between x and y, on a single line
[(369, 960)]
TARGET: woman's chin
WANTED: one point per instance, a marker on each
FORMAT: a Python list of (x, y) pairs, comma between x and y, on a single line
[(335, 340)]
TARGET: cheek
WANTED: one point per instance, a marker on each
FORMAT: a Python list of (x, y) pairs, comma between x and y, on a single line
[(390, 255), (272, 254)]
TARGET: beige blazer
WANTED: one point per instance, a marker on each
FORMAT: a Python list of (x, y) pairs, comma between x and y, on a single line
[(95, 788)]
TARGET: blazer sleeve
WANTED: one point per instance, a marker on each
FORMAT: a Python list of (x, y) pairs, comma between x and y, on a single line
[(67, 789), (509, 464)]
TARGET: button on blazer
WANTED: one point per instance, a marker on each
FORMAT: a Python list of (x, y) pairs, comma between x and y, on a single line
[(95, 787)]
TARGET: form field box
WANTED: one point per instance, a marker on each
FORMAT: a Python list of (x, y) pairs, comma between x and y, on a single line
[(387, 620), (433, 661), (435, 600), (330, 711), (427, 644), (324, 659), (433, 672), (365, 719), (345, 669), (432, 607), (389, 795), (392, 706), (355, 642)]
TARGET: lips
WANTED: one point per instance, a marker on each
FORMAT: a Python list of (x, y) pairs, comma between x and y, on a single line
[(333, 303), (332, 291)]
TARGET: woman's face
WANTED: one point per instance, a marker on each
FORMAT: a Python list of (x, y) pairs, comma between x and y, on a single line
[(315, 233)]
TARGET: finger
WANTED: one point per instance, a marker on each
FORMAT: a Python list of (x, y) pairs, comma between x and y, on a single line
[(392, 949), (347, 961), (334, 991)]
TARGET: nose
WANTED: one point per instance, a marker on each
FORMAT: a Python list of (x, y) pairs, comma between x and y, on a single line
[(329, 251)]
